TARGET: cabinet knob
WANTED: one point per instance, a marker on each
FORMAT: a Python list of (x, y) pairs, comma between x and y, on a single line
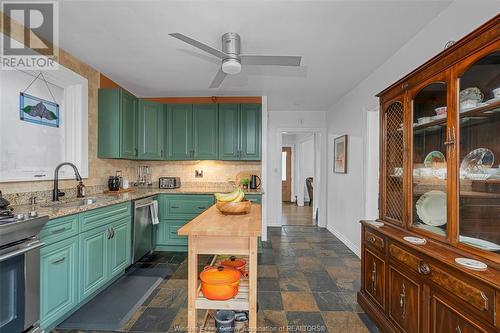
[(424, 268), (458, 329)]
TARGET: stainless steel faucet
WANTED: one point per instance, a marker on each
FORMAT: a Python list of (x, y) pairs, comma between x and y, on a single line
[(55, 191)]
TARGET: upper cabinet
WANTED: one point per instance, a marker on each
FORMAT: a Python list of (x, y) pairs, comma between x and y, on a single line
[(140, 129), (240, 132), (440, 147), (117, 127), (150, 139)]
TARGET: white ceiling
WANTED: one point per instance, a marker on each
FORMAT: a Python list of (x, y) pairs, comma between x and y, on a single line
[(341, 42)]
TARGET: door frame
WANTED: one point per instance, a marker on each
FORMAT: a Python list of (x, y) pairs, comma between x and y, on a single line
[(319, 191)]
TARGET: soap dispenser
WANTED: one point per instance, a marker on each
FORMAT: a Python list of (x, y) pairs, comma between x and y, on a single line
[(80, 190)]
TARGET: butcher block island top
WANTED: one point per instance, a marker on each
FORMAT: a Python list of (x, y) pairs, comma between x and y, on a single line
[(213, 223), (214, 233)]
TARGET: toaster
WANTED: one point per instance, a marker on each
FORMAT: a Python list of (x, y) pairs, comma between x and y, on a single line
[(169, 182)]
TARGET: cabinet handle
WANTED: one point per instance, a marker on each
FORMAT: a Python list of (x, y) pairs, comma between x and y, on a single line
[(458, 329), (374, 277), (58, 231), (174, 207), (136, 151), (162, 153), (451, 137), (402, 301), (58, 261), (109, 233), (112, 232), (201, 207), (424, 268)]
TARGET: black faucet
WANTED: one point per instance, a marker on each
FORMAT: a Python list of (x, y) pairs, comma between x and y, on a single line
[(55, 191)]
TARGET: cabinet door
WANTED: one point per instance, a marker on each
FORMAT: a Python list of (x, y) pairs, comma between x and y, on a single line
[(150, 130), (179, 131), (229, 131), (446, 318), (374, 274), (94, 260), (128, 130), (119, 247), (404, 301), (58, 280), (250, 138), (167, 232), (205, 131)]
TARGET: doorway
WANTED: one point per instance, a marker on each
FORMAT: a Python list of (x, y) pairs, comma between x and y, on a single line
[(286, 174)]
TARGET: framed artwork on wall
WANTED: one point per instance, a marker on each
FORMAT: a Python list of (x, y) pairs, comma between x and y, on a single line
[(340, 154)]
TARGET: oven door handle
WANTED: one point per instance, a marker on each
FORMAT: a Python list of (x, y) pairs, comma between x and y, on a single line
[(30, 247)]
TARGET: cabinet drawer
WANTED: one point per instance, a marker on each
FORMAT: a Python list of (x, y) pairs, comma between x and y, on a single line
[(448, 318), (374, 278), (374, 241), (101, 216), (477, 295), (175, 239), (254, 198), (184, 205), (404, 301), (58, 229), (166, 234)]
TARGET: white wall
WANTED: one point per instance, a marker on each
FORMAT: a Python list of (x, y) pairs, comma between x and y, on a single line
[(279, 121), (346, 202)]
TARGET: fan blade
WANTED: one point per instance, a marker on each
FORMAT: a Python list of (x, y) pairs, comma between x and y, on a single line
[(270, 60), (219, 77), (200, 45)]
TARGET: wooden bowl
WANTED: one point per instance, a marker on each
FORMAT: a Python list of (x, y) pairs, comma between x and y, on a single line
[(234, 208)]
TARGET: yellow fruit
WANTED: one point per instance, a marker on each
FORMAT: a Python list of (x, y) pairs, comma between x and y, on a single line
[(226, 197), (240, 196)]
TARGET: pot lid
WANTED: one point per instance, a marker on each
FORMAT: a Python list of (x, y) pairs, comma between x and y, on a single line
[(219, 275), (234, 262)]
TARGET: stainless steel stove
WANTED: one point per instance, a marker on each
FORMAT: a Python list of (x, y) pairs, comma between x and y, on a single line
[(19, 271)]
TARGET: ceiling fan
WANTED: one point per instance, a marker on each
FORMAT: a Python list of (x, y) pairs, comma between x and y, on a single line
[(231, 58)]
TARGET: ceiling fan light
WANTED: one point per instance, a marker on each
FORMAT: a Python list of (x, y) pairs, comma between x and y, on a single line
[(231, 66)]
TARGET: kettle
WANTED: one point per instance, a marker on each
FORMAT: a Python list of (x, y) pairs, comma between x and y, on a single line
[(253, 182)]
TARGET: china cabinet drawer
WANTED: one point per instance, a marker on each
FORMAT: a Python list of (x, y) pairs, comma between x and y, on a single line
[(375, 241), (374, 279), (447, 318), (404, 301), (478, 296)]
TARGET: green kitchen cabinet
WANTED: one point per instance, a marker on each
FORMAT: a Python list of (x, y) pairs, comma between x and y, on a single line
[(117, 124), (150, 138), (205, 131), (254, 198), (120, 245), (250, 128), (58, 280), (179, 138), (239, 131), (94, 250)]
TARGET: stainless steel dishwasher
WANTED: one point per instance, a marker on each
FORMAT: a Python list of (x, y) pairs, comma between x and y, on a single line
[(142, 229)]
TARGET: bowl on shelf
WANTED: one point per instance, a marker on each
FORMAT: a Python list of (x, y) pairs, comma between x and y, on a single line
[(234, 208), (441, 111), (468, 104), (424, 120)]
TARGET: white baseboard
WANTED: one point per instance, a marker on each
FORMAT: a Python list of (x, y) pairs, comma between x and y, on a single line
[(347, 242)]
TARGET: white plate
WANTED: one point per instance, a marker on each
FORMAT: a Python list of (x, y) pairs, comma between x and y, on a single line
[(431, 208), (431, 228), (471, 264), (493, 100), (376, 224), (415, 240), (480, 243)]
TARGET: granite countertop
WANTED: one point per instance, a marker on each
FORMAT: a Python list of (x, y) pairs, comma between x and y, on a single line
[(64, 207)]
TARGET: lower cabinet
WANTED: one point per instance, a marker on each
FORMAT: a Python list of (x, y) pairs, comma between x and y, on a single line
[(58, 278), (254, 198), (120, 247), (404, 301), (446, 318), (374, 274)]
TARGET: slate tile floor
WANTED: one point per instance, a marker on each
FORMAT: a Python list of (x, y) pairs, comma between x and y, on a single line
[(307, 280)]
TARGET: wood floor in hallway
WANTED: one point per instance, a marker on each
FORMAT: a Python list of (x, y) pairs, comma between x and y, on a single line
[(296, 215)]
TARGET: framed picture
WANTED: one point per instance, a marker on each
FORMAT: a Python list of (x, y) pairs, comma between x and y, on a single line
[(340, 154), (38, 111)]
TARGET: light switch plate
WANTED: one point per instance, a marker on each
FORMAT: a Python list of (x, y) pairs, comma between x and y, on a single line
[(198, 173)]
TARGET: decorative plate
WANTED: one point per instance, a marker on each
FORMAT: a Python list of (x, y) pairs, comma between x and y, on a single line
[(480, 243), (415, 240), (436, 230), (472, 93), (477, 160), (376, 224), (434, 159), (431, 208), (471, 264)]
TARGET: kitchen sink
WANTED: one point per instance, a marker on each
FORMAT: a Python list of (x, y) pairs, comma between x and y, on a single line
[(77, 203)]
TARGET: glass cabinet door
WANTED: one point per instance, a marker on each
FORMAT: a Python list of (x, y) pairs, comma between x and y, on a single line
[(479, 154), (429, 159)]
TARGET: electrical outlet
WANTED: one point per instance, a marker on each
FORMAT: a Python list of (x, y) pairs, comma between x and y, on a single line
[(198, 173)]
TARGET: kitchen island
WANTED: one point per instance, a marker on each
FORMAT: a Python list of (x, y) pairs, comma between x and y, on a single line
[(216, 234)]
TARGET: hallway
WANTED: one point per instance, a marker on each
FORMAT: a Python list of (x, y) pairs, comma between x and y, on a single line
[(296, 215)]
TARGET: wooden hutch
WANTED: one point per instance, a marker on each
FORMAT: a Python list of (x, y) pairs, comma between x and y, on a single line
[(439, 180)]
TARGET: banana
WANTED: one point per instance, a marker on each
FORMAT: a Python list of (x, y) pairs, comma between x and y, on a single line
[(226, 197), (240, 196)]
